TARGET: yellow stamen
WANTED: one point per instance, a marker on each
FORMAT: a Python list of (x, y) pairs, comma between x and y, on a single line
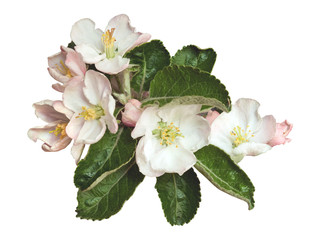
[(108, 42), (241, 135), (167, 133), (95, 112), (60, 130), (63, 69)]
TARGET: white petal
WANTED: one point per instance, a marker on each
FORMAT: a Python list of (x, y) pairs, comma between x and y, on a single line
[(146, 123), (59, 107), (113, 65), (95, 86), (91, 132), (84, 32), (173, 160), (266, 130), (73, 96), (108, 104), (250, 149), (143, 161), (125, 35), (89, 53), (195, 130), (42, 133), (174, 113), (76, 151)]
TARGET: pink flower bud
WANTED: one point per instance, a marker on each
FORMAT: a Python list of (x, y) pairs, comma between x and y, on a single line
[(211, 116), (282, 131), (132, 113)]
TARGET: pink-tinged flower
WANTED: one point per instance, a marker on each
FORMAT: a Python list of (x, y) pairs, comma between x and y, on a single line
[(242, 131), (282, 131), (132, 113), (211, 116), (54, 133), (170, 136), (65, 65), (106, 49), (93, 108)]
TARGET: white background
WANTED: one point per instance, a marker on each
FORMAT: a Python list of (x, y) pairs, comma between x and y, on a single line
[(267, 50)]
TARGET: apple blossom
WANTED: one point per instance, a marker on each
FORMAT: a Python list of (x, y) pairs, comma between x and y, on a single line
[(211, 116), (93, 108), (170, 135), (132, 112), (65, 65), (282, 131), (54, 133), (242, 131), (106, 49)]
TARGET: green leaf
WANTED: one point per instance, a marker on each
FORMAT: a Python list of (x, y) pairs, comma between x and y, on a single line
[(193, 56), (187, 85), (150, 57), (111, 152), (106, 198), (179, 195), (222, 172)]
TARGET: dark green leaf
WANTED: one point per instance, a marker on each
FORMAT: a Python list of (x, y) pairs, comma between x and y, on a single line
[(179, 195), (193, 56), (106, 198), (150, 57), (111, 152), (71, 45), (220, 170), (187, 85)]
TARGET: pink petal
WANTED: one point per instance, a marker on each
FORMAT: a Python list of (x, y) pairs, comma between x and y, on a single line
[(282, 131), (132, 113), (74, 62), (47, 113), (211, 116), (58, 87)]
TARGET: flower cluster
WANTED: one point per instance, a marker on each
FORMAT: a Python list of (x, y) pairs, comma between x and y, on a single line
[(178, 116)]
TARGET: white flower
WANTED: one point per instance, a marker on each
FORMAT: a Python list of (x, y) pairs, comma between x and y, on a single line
[(106, 49), (242, 131), (93, 108), (170, 135)]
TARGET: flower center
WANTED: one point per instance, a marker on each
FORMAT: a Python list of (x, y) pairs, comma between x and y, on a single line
[(92, 113), (108, 43), (63, 69), (167, 133), (60, 130), (241, 135)]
